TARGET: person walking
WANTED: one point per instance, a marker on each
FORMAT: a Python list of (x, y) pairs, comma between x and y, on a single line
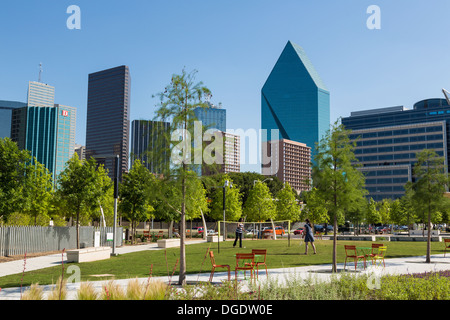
[(239, 231), (309, 237)]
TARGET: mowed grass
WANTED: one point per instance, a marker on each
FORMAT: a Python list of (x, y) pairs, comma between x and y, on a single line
[(165, 263)]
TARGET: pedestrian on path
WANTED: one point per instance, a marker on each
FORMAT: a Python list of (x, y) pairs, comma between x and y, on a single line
[(309, 237), (239, 231)]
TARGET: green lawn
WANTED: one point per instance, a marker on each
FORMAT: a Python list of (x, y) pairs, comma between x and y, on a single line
[(280, 255)]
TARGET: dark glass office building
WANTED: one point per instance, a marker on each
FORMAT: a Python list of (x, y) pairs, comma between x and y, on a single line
[(6, 111), (108, 118), (149, 146), (388, 140)]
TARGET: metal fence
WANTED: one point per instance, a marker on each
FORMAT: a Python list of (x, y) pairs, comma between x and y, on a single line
[(31, 239)]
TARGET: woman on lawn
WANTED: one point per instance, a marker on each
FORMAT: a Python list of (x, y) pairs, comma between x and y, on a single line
[(309, 237)]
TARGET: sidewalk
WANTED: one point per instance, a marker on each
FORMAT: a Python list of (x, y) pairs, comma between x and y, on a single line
[(407, 265)]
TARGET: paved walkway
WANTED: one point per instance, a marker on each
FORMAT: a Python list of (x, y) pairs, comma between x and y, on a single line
[(407, 265)]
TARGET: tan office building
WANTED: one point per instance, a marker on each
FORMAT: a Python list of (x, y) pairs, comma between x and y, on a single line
[(230, 161), (290, 161)]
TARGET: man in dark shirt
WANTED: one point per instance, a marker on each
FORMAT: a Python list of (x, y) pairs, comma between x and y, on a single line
[(239, 231)]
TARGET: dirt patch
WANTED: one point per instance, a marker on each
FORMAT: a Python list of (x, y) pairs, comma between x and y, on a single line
[(29, 255)]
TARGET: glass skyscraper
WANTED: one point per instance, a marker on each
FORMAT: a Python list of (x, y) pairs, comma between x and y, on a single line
[(47, 132), (149, 146), (65, 144), (6, 110), (388, 140), (108, 118), (295, 100), (44, 128), (213, 117)]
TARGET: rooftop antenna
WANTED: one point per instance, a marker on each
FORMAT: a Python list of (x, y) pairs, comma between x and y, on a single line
[(446, 95), (40, 72)]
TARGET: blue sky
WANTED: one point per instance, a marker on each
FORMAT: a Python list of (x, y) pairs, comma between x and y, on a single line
[(233, 45)]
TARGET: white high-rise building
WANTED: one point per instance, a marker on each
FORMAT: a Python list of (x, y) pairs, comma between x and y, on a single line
[(40, 95)]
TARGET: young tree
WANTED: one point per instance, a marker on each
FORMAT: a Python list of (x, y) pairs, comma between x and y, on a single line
[(357, 214), (287, 205), (314, 209), (384, 208), (233, 200), (177, 103), (339, 183), (134, 202), (14, 165), (397, 212), (260, 205), (196, 201), (429, 187), (373, 215), (39, 191), (408, 206), (81, 185)]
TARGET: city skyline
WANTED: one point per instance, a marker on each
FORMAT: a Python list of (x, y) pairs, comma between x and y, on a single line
[(403, 62)]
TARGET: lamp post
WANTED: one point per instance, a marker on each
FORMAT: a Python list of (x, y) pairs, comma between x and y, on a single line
[(227, 184), (116, 195)]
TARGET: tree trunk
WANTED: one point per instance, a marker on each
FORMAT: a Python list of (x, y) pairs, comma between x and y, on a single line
[(169, 231), (273, 230), (205, 230), (78, 228), (182, 276), (428, 259), (335, 244)]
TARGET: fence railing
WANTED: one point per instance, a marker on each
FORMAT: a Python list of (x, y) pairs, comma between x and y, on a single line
[(34, 239)]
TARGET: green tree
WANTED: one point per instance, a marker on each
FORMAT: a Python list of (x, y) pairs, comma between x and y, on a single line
[(429, 187), (134, 201), (314, 209), (14, 165), (81, 185), (260, 205), (177, 103), (373, 215), (246, 181), (397, 212), (408, 206), (165, 196), (385, 209), (233, 200), (39, 192), (336, 177), (288, 207), (196, 201), (357, 214)]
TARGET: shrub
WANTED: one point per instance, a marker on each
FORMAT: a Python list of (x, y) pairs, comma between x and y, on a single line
[(59, 291), (87, 292), (33, 293), (113, 291)]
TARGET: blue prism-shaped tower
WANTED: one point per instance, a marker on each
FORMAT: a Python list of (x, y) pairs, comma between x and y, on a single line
[(295, 100)]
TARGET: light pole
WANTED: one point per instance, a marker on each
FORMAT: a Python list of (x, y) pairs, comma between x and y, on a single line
[(227, 184), (116, 195)]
